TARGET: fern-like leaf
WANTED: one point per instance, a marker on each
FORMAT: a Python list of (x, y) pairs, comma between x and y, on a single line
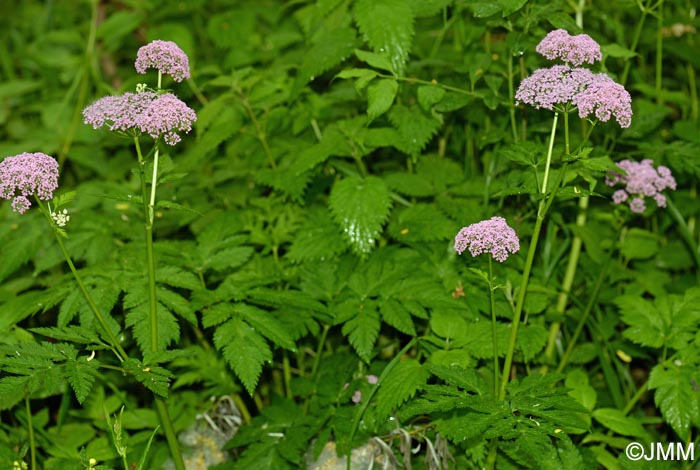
[(399, 385), (244, 350), (362, 330), (396, 315), (387, 26), (360, 206), (81, 376), (154, 378)]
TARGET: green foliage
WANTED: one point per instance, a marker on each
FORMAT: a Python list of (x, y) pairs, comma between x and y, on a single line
[(303, 232)]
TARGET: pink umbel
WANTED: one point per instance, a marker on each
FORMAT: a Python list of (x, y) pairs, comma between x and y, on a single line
[(28, 174), (641, 180), (166, 57), (492, 236), (574, 50)]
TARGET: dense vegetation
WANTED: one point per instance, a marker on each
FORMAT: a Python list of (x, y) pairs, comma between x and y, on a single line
[(292, 291)]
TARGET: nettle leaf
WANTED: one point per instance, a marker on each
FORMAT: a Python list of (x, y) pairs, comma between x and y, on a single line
[(414, 126), (328, 51), (318, 238), (399, 385), (81, 376), (244, 349), (380, 97), (362, 330), (387, 26), (360, 206), (675, 397)]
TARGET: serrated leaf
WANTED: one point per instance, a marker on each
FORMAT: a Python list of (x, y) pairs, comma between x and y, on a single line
[(414, 126), (360, 206), (362, 330), (410, 184), (675, 397), (387, 26), (365, 74), (154, 378), (380, 97), (466, 379), (244, 350), (230, 258), (168, 329), (430, 95), (177, 277), (396, 315), (289, 298), (72, 333), (639, 244), (81, 376), (332, 143), (328, 51), (291, 183), (319, 238), (266, 323), (399, 385), (378, 61), (12, 390), (646, 326)]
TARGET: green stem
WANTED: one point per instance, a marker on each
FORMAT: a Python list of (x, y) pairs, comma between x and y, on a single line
[(511, 97), (148, 211), (684, 231), (633, 46), (116, 347), (30, 431), (541, 212), (494, 337), (659, 52), (584, 317), (426, 82)]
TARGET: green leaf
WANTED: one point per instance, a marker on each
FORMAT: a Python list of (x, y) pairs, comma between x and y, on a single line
[(362, 330), (328, 51), (154, 378), (430, 95), (12, 390), (244, 350), (360, 206), (581, 390), (266, 323), (614, 420), (467, 379), (617, 51), (380, 97), (414, 126), (319, 238), (675, 397), (378, 61), (230, 258), (396, 315), (332, 143), (639, 244), (448, 324), (72, 333), (81, 376), (646, 326), (387, 26), (410, 184), (168, 329), (399, 385)]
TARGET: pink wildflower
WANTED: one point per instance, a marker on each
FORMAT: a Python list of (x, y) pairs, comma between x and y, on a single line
[(493, 236), (165, 115), (550, 87), (641, 180), (166, 57), (28, 174), (357, 396), (372, 379), (604, 97), (575, 50), (118, 113)]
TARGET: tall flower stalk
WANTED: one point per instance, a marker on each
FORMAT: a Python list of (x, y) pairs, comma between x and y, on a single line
[(160, 115)]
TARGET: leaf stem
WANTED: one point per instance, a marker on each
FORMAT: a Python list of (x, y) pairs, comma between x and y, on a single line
[(494, 337)]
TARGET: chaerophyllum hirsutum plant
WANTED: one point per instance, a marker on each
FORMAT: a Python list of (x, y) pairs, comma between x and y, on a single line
[(160, 116)]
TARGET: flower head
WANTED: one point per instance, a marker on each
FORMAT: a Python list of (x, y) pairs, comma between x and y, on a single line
[(165, 115), (118, 113), (357, 396), (166, 57), (28, 174), (549, 87), (575, 50), (604, 98), (641, 180), (494, 236)]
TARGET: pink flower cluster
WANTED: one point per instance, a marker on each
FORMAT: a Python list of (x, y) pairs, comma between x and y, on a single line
[(640, 180), (562, 87), (158, 115), (28, 174), (166, 57), (575, 50), (143, 112), (493, 236)]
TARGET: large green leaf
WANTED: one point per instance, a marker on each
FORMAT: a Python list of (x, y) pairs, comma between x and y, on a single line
[(244, 350), (362, 330), (380, 97), (387, 26), (399, 385), (360, 206), (675, 396)]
